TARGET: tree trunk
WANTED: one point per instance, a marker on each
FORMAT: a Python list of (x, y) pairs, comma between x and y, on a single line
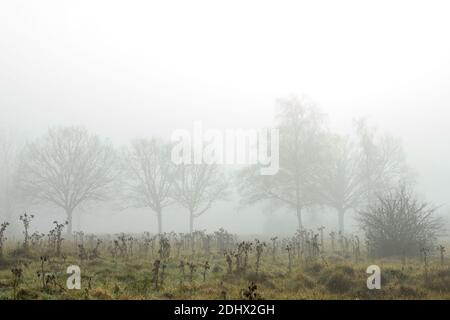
[(7, 209), (341, 214), (299, 218), (159, 217), (191, 222), (79, 220), (69, 221)]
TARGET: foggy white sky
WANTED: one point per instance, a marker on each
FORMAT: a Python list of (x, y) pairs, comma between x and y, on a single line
[(136, 68)]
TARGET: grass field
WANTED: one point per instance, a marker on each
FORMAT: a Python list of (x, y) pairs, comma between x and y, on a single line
[(114, 272)]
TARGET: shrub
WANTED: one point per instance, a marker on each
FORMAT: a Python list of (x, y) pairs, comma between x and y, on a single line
[(399, 225)]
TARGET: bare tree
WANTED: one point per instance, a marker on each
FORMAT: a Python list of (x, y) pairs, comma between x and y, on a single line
[(302, 151), (67, 167), (399, 224), (382, 162), (149, 173), (354, 173), (197, 187), (340, 185)]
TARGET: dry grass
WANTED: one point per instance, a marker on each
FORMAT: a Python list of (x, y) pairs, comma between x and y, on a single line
[(131, 278)]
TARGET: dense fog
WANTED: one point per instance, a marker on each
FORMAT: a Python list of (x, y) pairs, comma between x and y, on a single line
[(147, 69)]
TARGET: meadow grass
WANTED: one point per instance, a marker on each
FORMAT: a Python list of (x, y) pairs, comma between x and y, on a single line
[(328, 277)]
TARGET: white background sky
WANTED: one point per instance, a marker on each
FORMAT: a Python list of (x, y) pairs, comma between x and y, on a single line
[(138, 68)]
